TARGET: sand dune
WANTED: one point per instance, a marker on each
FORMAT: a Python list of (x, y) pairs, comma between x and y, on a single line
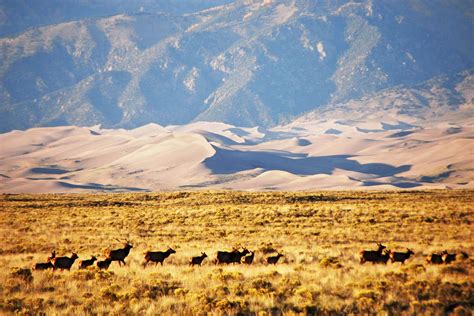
[(304, 155)]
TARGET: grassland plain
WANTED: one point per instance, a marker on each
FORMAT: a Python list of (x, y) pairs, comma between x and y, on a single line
[(319, 233)]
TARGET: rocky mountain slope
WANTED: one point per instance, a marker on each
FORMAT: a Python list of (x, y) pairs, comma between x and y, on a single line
[(244, 63), (440, 99)]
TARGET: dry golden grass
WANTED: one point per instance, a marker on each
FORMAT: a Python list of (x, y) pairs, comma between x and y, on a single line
[(320, 234)]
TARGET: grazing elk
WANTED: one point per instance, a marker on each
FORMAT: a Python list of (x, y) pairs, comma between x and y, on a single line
[(234, 256), (87, 263), (64, 263), (198, 260), (249, 258), (401, 256), (46, 265), (372, 255), (436, 258), (104, 264), (120, 254), (448, 257), (157, 256), (274, 259)]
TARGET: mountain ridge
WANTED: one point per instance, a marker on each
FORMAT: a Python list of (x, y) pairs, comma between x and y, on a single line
[(246, 63)]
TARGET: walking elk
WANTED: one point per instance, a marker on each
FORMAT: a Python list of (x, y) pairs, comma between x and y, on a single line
[(372, 255), (104, 264), (234, 256), (401, 256), (120, 254), (64, 263), (198, 260), (87, 263), (157, 256), (274, 259)]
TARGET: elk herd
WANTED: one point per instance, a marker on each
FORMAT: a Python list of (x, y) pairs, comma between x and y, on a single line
[(382, 255), (223, 257), (244, 256)]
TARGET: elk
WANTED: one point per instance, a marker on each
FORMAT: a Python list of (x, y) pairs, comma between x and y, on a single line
[(104, 264), (46, 265), (234, 256), (274, 259), (436, 258), (43, 266), (87, 263), (64, 263), (120, 254), (448, 257), (249, 258), (371, 255), (198, 260), (157, 256), (401, 256)]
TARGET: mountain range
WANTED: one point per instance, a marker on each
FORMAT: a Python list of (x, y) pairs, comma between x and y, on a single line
[(123, 64)]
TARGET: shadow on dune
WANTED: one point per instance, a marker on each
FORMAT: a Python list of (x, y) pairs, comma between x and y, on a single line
[(97, 186), (264, 135), (400, 134), (48, 170), (218, 138), (400, 185), (226, 161)]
